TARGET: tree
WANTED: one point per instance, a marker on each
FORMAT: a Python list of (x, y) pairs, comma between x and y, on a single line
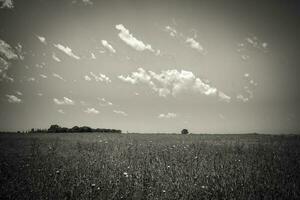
[(54, 129), (184, 132)]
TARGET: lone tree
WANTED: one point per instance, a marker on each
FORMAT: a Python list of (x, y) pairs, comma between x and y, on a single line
[(184, 132)]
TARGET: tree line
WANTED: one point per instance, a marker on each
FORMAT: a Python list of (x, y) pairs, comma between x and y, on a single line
[(76, 129)]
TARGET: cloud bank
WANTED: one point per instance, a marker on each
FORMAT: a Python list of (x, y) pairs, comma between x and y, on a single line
[(173, 82)]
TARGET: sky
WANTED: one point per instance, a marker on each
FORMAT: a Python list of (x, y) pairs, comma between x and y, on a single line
[(156, 66)]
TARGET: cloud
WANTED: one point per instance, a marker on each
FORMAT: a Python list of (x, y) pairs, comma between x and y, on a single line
[(167, 116), (173, 82), (241, 98), (19, 93), (224, 97), (61, 111), (130, 40), (246, 75), (67, 50), (190, 41), (87, 78), (108, 46), (6, 51), (58, 76), (64, 101), (93, 56), (43, 76), (91, 111), (55, 58), (4, 66), (31, 79), (41, 39), (87, 2), (120, 112), (264, 45), (19, 49), (104, 102), (171, 31), (13, 99), (194, 44), (100, 77), (251, 43), (7, 4)]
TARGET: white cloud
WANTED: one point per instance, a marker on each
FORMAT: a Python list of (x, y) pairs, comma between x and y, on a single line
[(43, 76), (245, 57), (100, 77), (67, 50), (91, 111), (13, 99), (31, 79), (87, 78), (64, 101), (173, 82), (224, 97), (127, 79), (191, 42), (6, 51), (108, 46), (120, 112), (61, 111), (249, 43), (171, 31), (130, 40), (264, 45), (240, 97), (55, 58), (41, 39), (19, 93), (194, 44), (19, 49), (104, 102), (87, 2), (7, 4), (167, 116), (93, 56), (58, 76)]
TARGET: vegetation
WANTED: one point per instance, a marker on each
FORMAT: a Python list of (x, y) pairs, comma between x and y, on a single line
[(184, 132), (84, 129), (145, 166)]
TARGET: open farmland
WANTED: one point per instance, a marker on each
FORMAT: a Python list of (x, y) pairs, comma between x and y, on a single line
[(149, 166)]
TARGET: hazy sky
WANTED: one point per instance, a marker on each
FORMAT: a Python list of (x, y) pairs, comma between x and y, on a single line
[(150, 66)]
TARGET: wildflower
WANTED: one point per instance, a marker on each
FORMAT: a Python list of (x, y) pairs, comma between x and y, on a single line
[(163, 191), (125, 174), (93, 185), (57, 171)]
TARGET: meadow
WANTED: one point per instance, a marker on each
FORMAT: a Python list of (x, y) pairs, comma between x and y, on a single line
[(149, 166)]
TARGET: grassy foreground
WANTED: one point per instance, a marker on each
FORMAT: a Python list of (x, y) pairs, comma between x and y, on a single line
[(146, 166)]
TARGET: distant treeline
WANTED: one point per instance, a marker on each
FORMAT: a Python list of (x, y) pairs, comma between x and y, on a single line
[(76, 129)]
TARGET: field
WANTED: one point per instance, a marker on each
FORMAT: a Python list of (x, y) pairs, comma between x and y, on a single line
[(149, 166)]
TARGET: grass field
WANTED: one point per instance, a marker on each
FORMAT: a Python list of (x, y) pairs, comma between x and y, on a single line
[(149, 166)]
